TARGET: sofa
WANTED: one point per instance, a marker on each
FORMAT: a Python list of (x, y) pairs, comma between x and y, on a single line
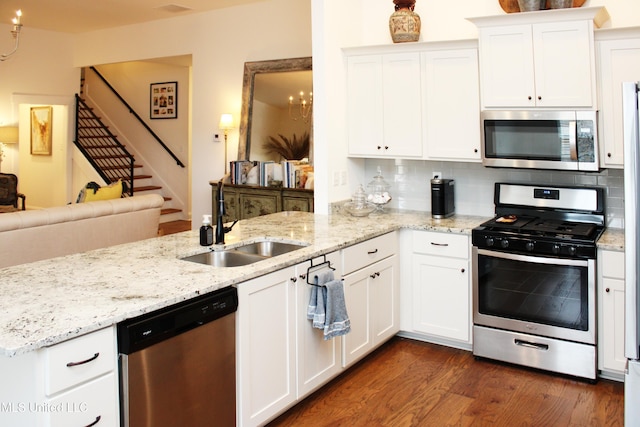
[(33, 235)]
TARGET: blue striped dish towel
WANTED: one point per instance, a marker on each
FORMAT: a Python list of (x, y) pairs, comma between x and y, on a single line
[(318, 298), (337, 321)]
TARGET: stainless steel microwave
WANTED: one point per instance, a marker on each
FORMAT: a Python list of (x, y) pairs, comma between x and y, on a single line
[(563, 140)]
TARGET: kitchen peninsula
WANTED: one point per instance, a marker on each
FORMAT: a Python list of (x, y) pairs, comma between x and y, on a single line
[(47, 304)]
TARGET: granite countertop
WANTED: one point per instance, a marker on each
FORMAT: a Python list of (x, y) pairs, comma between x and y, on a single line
[(50, 301)]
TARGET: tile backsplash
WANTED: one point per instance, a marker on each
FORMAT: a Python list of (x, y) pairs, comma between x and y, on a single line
[(474, 183)]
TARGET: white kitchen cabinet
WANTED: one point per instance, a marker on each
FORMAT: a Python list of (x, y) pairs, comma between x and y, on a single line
[(384, 109), (441, 287), (539, 60), (618, 61), (280, 358), (266, 346), (611, 290), (318, 360), (451, 97), (71, 383), (371, 286)]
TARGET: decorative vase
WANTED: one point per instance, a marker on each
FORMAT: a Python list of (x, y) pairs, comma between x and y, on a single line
[(560, 4), (531, 5), (404, 23)]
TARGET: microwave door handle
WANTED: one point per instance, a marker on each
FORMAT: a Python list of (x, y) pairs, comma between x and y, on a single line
[(573, 141)]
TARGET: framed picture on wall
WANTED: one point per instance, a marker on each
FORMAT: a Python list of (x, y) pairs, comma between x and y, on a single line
[(41, 132), (164, 100)]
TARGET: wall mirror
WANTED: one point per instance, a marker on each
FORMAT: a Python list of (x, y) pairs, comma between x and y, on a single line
[(268, 118)]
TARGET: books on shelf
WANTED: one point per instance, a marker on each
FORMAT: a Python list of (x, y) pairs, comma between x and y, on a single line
[(287, 174)]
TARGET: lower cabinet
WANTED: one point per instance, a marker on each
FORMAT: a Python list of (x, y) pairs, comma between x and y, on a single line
[(372, 295), (440, 288), (73, 383), (280, 357), (611, 292)]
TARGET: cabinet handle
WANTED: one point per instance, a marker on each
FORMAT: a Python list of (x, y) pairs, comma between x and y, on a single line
[(475, 150), (386, 147), (374, 275), (529, 98), (379, 147), (462, 270), (609, 155), (539, 98), (607, 290), (303, 276), (294, 279), (373, 252), (440, 244), (71, 364), (98, 418)]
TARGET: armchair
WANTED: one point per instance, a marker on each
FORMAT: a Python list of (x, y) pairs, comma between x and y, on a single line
[(9, 191)]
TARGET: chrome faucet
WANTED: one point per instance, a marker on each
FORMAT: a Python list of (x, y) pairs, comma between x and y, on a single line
[(221, 230)]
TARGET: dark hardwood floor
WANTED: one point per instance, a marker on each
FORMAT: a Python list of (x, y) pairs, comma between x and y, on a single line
[(411, 383)]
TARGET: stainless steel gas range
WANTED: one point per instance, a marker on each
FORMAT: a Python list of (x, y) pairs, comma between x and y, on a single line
[(534, 278)]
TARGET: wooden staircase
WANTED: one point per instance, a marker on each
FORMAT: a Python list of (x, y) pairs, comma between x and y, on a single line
[(111, 159)]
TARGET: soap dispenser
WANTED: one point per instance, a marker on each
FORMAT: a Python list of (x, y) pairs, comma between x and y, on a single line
[(206, 231)]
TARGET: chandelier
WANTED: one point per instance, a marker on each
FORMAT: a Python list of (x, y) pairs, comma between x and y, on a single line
[(304, 110), (17, 26)]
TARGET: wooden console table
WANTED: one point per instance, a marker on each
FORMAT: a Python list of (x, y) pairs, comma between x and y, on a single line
[(247, 201)]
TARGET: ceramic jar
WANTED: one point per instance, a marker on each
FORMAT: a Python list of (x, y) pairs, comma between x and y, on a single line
[(404, 23), (560, 4), (531, 5)]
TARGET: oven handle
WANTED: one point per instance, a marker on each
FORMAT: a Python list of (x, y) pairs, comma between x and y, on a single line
[(535, 259), (522, 343)]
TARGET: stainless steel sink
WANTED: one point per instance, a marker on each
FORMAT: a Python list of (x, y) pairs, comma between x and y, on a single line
[(268, 248), (244, 254)]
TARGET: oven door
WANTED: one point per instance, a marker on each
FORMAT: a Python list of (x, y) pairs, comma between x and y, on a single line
[(537, 295)]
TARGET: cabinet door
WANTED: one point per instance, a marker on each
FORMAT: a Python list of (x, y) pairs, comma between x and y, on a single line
[(384, 105), (506, 66), (359, 341), (612, 338), (402, 101), (619, 62), (452, 105), (266, 346), (318, 360), (364, 105), (385, 303), (257, 203), (441, 297), (564, 64)]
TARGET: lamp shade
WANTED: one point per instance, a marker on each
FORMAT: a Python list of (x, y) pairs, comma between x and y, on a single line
[(9, 134), (226, 121)]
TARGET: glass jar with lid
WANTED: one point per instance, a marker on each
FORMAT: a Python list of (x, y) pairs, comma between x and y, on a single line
[(378, 191)]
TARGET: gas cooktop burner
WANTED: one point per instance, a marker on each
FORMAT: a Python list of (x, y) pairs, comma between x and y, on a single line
[(530, 226)]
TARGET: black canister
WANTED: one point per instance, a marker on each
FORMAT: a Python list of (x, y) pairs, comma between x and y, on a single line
[(442, 198)]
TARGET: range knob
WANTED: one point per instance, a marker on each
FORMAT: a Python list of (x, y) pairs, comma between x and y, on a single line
[(529, 246), (504, 243), (555, 249), (489, 241), (572, 250)]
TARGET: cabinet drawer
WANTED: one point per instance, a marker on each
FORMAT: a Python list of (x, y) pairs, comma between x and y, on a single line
[(358, 256), (612, 264), (94, 403), (78, 360), (442, 244)]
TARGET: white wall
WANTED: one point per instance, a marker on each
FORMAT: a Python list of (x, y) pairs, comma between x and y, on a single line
[(338, 24), (40, 73)]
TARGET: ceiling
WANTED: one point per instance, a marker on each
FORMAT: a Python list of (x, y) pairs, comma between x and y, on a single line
[(77, 16)]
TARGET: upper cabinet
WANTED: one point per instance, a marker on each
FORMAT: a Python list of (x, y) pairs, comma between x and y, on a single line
[(540, 59), (415, 101), (618, 62), (384, 105)]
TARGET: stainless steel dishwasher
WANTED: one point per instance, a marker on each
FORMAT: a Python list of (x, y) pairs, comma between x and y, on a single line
[(177, 365)]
